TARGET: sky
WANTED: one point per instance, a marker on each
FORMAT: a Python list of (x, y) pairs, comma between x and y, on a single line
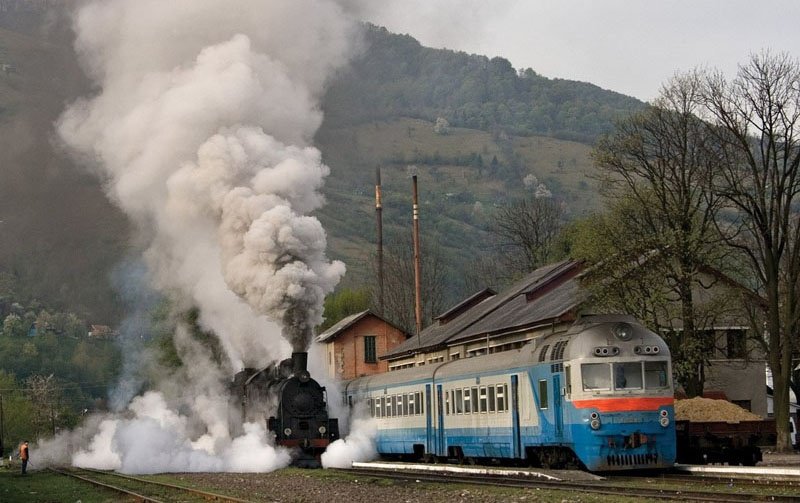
[(628, 46)]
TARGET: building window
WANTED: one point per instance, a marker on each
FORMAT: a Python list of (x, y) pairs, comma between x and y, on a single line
[(370, 355), (736, 344)]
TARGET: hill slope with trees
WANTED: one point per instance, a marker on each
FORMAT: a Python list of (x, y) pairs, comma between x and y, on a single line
[(479, 133)]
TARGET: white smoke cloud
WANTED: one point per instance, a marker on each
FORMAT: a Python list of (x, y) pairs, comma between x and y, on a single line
[(201, 131), (156, 440), (358, 446)]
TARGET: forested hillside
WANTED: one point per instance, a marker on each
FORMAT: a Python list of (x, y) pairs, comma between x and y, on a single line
[(500, 134), (398, 77)]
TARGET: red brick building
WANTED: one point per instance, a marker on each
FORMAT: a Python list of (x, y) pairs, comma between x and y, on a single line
[(355, 344)]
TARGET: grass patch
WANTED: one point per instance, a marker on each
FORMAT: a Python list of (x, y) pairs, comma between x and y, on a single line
[(47, 486)]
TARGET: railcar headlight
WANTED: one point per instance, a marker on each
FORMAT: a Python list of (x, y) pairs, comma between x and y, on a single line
[(623, 331), (664, 421), (595, 421), (322, 430), (287, 432)]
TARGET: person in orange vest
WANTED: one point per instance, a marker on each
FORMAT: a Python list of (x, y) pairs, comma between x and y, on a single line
[(23, 455)]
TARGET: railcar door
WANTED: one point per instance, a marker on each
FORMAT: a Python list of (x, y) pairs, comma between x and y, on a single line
[(429, 443), (440, 449), (558, 415), (515, 430)]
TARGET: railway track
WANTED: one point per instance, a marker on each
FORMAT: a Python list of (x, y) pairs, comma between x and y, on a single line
[(144, 490), (606, 487), (711, 479)]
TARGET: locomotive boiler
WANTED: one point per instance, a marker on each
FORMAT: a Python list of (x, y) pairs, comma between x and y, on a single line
[(294, 405)]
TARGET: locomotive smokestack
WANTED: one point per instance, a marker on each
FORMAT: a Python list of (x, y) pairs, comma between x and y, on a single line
[(299, 363)]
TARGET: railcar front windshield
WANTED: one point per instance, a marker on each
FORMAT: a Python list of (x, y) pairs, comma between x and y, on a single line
[(625, 376)]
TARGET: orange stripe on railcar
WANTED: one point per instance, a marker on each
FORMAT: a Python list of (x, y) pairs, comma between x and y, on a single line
[(620, 404)]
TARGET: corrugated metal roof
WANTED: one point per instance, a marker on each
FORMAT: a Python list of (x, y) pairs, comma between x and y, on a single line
[(464, 304), (503, 311), (518, 312)]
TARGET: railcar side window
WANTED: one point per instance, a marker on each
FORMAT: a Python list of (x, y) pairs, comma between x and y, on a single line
[(390, 406), (655, 375), (491, 399), (475, 400), (420, 403), (482, 402), (543, 398), (596, 376), (459, 401), (501, 398), (402, 406), (467, 403), (371, 407), (378, 407), (447, 402), (412, 405)]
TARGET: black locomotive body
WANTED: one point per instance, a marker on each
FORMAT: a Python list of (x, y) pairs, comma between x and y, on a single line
[(294, 403)]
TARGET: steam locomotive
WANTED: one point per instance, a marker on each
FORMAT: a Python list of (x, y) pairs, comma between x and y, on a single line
[(295, 404)]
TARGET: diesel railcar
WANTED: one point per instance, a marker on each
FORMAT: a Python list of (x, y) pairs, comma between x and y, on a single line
[(296, 404), (598, 396)]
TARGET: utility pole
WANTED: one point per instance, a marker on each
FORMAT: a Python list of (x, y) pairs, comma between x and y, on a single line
[(379, 217), (417, 264), (2, 426)]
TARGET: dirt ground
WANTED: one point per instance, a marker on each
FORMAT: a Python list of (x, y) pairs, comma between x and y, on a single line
[(775, 459)]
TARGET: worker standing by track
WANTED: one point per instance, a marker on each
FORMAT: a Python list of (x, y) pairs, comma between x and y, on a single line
[(24, 455)]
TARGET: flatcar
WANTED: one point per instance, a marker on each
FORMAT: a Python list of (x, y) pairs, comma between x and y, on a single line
[(598, 396), (294, 405)]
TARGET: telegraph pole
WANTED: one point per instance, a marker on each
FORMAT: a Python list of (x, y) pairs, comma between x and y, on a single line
[(417, 263), (379, 217), (2, 426)]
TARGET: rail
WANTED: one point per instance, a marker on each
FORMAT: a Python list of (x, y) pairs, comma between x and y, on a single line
[(206, 495)]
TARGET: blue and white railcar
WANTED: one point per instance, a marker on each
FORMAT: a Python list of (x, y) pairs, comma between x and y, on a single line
[(598, 395)]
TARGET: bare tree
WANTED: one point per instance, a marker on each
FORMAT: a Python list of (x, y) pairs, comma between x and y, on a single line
[(399, 289), (43, 396), (660, 162), (526, 231), (756, 119)]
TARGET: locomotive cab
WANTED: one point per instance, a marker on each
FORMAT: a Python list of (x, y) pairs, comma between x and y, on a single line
[(618, 379)]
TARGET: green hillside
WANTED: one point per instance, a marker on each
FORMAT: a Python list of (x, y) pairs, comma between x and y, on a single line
[(398, 77), (457, 195)]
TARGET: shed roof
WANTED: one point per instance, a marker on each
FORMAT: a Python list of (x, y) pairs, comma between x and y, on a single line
[(506, 310)]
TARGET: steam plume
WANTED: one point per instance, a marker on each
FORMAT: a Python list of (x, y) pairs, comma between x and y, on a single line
[(201, 131)]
